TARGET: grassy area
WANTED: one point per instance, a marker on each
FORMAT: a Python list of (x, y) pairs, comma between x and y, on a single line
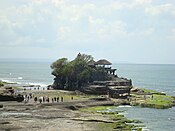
[(95, 109), (119, 122), (156, 100), (160, 101), (149, 91), (67, 95), (153, 92)]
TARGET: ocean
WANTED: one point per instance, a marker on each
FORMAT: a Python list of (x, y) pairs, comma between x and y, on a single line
[(26, 72), (155, 77)]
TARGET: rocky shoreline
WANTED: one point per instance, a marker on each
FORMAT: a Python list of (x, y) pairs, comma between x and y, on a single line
[(64, 116), (80, 113)]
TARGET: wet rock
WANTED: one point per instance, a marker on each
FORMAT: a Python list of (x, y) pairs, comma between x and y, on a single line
[(72, 107), (100, 99), (5, 122)]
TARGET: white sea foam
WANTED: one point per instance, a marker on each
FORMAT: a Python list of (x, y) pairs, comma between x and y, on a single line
[(37, 84), (19, 83), (15, 80), (123, 113), (4, 80), (145, 129), (124, 106), (8, 81), (20, 78)]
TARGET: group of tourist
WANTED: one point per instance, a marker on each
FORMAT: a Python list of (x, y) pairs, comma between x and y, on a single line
[(36, 88), (28, 97), (43, 99)]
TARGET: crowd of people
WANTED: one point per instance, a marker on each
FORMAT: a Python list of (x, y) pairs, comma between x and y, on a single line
[(43, 99), (30, 97)]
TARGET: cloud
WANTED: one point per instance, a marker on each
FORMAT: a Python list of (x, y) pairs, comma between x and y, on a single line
[(159, 9), (47, 23), (143, 2), (148, 31), (27, 25), (65, 27), (171, 37), (118, 5)]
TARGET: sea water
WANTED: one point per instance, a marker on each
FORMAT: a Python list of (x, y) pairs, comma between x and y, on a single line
[(26, 72), (153, 119), (155, 77)]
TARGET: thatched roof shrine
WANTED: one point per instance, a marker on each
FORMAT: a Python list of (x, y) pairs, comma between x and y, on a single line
[(103, 62)]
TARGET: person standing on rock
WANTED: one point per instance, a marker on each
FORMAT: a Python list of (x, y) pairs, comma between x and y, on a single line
[(30, 95), (43, 99), (61, 99), (55, 99), (52, 100), (58, 99), (40, 100), (35, 99), (47, 99)]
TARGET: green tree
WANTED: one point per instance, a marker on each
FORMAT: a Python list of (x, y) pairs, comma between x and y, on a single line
[(58, 71), (76, 73)]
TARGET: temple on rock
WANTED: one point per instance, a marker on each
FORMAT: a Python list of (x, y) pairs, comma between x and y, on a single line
[(115, 86), (89, 76)]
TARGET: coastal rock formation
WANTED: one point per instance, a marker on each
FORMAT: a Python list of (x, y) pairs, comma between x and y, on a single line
[(7, 94), (86, 75), (120, 88)]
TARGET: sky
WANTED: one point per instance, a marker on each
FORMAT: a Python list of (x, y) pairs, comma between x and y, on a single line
[(121, 31)]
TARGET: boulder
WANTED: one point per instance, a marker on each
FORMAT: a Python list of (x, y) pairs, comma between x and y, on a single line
[(134, 89)]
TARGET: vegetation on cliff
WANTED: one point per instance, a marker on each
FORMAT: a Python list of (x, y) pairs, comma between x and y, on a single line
[(72, 75)]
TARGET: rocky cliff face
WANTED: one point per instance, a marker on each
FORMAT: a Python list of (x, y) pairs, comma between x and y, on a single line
[(118, 88)]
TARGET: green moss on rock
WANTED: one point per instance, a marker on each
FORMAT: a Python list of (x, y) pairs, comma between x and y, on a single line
[(156, 100)]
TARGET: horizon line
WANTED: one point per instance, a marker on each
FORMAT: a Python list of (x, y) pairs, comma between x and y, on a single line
[(52, 60)]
